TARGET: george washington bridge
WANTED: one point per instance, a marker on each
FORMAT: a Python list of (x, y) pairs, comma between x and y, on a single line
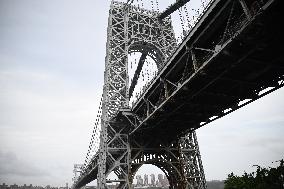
[(171, 71)]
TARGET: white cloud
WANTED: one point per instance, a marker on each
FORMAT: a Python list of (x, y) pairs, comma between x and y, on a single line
[(11, 166), (251, 135), (51, 74)]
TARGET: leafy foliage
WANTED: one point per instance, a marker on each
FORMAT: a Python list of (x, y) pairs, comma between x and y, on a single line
[(263, 178)]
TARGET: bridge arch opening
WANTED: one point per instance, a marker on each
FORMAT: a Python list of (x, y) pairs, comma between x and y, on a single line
[(152, 50), (144, 62), (112, 180), (172, 175), (150, 175)]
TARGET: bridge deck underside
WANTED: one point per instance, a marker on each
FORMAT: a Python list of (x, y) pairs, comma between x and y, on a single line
[(250, 61), (185, 96)]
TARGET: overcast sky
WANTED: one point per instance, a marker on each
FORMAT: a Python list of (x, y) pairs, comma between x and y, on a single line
[(51, 76)]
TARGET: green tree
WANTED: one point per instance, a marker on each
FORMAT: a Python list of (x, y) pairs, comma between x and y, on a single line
[(263, 178)]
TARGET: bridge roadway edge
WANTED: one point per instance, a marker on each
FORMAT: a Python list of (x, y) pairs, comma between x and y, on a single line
[(270, 74)]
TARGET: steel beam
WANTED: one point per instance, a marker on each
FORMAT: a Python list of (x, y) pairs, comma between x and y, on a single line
[(137, 73), (172, 8)]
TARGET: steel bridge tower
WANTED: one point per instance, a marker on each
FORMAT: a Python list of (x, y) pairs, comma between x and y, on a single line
[(134, 29)]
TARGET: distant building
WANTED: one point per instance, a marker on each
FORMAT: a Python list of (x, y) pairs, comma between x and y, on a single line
[(146, 180), (153, 180), (166, 181), (158, 183), (3, 186), (25, 186), (160, 180), (139, 180), (14, 186)]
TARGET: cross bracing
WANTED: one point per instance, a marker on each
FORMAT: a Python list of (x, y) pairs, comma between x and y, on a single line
[(227, 59)]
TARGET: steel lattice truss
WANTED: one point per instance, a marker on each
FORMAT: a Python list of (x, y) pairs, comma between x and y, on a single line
[(231, 57), (77, 171), (133, 29)]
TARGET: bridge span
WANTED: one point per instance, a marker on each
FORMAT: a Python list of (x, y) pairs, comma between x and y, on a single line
[(219, 67), (233, 56)]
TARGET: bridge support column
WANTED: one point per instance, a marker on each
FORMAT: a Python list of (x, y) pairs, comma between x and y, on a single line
[(102, 159), (180, 160), (190, 162), (115, 155)]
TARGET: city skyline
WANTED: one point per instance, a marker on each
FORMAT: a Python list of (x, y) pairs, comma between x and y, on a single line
[(31, 186), (159, 181), (51, 72)]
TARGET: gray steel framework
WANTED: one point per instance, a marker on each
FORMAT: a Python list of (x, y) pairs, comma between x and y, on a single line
[(221, 66), (232, 56), (133, 29), (77, 171)]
